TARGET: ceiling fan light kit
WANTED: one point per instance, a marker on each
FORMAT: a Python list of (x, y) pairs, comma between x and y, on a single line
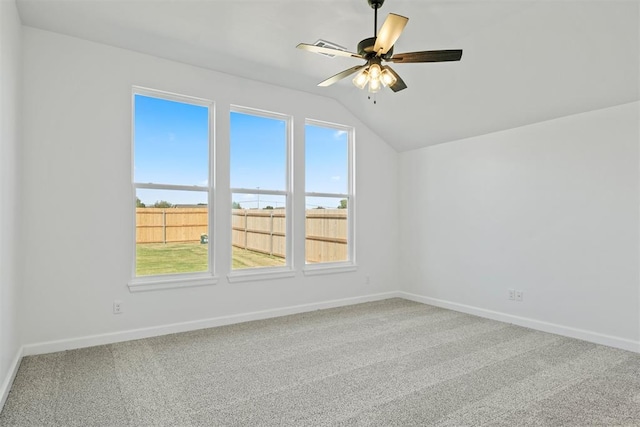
[(376, 77), (379, 48)]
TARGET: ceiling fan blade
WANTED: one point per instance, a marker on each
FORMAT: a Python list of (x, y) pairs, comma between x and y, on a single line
[(346, 73), (428, 56), (389, 33), (399, 84), (327, 50)]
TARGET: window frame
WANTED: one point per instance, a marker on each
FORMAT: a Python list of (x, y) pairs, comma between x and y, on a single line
[(267, 272), (176, 280), (350, 264)]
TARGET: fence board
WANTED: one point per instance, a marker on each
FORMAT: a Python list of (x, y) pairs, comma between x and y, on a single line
[(326, 235), (257, 230), (171, 225)]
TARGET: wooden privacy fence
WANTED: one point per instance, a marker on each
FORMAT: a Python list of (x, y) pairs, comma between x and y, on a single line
[(257, 230), (171, 225), (264, 231), (326, 231)]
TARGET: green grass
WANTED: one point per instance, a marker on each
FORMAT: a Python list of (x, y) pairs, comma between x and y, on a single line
[(243, 258), (160, 258)]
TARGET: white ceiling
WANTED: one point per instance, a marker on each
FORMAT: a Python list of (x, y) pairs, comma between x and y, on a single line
[(523, 61)]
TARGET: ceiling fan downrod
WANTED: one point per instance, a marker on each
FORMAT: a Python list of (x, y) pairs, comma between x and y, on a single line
[(375, 4)]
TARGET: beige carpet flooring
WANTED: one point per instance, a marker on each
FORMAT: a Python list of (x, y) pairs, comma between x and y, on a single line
[(386, 363)]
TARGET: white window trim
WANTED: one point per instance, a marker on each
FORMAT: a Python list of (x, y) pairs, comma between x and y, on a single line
[(317, 269), (312, 269), (170, 281), (266, 273), (260, 274), (180, 280)]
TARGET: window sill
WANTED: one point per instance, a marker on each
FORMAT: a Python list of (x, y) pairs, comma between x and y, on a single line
[(172, 281), (328, 268), (248, 276)]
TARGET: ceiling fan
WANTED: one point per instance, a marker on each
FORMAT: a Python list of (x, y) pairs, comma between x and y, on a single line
[(379, 48)]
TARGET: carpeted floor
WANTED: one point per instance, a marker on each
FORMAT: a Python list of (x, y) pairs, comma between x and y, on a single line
[(387, 363)]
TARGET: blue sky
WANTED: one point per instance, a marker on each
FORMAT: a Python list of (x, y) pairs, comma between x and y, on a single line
[(171, 147), (170, 142), (258, 152)]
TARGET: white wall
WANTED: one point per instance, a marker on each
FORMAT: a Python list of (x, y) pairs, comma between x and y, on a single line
[(10, 85), (78, 198), (550, 209)]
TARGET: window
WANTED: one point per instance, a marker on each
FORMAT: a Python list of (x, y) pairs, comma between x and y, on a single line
[(172, 183), (260, 158), (329, 195)]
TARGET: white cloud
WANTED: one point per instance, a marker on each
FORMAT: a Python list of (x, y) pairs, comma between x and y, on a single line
[(335, 178), (339, 134)]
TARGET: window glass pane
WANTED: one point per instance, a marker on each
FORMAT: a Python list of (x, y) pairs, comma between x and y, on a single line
[(171, 142), (327, 164), (258, 152), (326, 229), (258, 235), (171, 232)]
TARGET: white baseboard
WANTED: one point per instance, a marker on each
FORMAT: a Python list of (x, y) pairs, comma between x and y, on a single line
[(134, 334), (594, 337), (11, 375)]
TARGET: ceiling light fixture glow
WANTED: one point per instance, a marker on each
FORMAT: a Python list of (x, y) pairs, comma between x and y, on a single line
[(374, 85), (375, 76), (387, 78), (361, 79), (375, 71)]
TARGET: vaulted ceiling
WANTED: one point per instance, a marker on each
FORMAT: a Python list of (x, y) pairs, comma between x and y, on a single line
[(523, 61)]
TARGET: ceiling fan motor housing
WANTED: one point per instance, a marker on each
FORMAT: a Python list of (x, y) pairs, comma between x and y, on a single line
[(365, 48)]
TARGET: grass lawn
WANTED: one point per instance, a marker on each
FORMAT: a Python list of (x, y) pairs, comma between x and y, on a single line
[(243, 258), (160, 258)]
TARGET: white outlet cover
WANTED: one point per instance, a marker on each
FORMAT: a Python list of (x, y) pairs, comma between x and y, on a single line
[(117, 307)]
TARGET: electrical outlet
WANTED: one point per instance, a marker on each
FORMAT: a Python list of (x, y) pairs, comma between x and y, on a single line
[(367, 280), (519, 295), (512, 294), (117, 307)]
